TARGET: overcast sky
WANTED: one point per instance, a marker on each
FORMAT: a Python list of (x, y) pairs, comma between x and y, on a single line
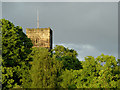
[(89, 28)]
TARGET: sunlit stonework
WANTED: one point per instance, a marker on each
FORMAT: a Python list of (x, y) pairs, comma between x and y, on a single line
[(41, 37)]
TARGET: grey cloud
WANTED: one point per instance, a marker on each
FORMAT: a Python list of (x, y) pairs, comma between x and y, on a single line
[(94, 24), (85, 50)]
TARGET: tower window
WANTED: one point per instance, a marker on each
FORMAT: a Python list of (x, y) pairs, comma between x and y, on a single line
[(36, 40)]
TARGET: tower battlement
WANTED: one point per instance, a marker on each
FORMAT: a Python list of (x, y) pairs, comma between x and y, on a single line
[(41, 37)]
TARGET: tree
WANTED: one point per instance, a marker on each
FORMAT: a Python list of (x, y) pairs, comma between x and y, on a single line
[(90, 71), (67, 56), (15, 49), (93, 74), (45, 69), (70, 62), (109, 75), (68, 78), (96, 75), (60, 51)]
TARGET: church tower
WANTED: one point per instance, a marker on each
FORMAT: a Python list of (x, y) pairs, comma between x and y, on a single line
[(41, 37)]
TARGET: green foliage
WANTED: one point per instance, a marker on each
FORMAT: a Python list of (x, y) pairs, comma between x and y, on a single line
[(93, 74), (109, 75), (15, 49), (15, 44), (45, 70), (60, 51), (70, 62), (67, 56), (69, 77)]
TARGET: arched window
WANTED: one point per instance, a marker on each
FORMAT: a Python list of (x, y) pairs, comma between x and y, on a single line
[(36, 40)]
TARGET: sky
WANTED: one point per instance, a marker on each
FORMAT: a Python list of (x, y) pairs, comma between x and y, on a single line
[(90, 28), (60, 0)]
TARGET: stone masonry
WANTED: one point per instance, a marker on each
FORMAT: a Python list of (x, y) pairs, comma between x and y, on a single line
[(41, 37)]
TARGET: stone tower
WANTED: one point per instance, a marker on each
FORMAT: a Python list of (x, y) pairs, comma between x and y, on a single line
[(41, 37)]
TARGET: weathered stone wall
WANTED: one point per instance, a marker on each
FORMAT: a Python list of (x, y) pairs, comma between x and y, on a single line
[(41, 37)]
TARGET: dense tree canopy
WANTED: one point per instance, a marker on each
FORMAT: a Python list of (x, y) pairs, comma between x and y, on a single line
[(15, 48), (67, 56), (60, 51), (45, 70), (93, 74), (15, 44)]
